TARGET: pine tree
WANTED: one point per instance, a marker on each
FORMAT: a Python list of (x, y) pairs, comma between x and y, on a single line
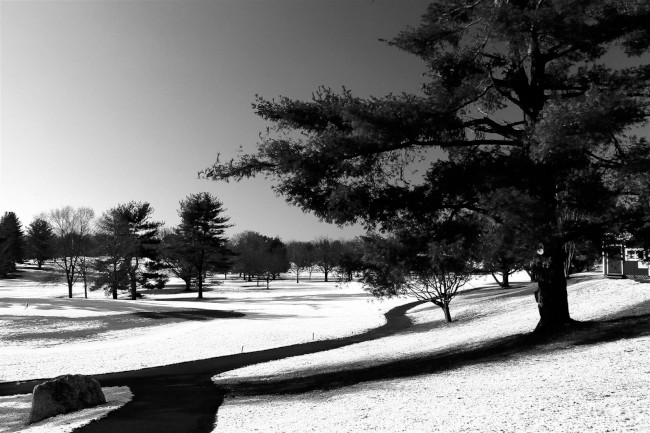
[(12, 243), (202, 229), (518, 95), (40, 241)]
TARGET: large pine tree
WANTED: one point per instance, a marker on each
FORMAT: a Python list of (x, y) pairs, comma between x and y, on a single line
[(520, 95)]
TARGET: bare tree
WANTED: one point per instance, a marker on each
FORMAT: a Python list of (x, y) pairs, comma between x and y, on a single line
[(72, 227), (301, 257)]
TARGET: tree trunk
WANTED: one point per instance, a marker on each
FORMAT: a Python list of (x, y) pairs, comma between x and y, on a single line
[(506, 280), (551, 295), (200, 283), (445, 309), (326, 275), (132, 278), (188, 284)]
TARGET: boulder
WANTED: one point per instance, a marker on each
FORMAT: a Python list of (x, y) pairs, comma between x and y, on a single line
[(65, 394)]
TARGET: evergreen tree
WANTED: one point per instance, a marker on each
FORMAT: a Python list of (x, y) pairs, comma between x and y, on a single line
[(40, 241), (12, 243), (202, 229), (126, 235), (518, 95)]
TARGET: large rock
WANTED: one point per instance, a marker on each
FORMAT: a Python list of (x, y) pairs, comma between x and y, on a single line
[(65, 394)]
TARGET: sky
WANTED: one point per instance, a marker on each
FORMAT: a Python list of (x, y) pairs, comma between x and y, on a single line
[(104, 102)]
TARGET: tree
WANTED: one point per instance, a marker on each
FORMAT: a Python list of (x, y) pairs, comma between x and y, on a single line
[(72, 228), (202, 230), (326, 254), (350, 261), (40, 239), (431, 271), (301, 257), (126, 236), (12, 242), (260, 256), (274, 259), (174, 258), (507, 242), (517, 96)]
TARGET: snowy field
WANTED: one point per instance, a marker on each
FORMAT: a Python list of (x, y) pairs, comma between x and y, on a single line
[(598, 388), (601, 387), (42, 331)]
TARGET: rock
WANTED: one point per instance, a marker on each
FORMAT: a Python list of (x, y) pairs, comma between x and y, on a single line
[(65, 394)]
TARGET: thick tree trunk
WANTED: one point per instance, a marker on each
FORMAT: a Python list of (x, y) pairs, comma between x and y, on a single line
[(506, 280), (551, 295)]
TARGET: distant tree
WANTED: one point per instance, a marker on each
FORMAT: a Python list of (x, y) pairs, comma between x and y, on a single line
[(5, 261), (507, 243), (175, 259), (12, 243), (301, 257), (274, 259), (40, 241), (126, 236), (350, 261), (86, 262), (259, 256), (248, 247), (72, 227), (327, 253), (201, 230), (430, 271)]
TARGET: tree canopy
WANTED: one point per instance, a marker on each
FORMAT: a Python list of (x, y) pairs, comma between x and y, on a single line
[(519, 97)]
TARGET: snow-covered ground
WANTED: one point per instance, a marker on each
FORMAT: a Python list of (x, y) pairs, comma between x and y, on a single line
[(14, 412), (288, 313), (602, 387), (599, 388)]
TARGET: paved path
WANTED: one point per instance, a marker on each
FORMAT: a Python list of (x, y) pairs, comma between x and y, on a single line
[(181, 398)]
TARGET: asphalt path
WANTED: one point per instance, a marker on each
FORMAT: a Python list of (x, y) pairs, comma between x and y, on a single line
[(181, 398)]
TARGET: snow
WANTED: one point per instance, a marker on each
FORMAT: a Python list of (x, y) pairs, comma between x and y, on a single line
[(14, 412), (603, 387), (287, 314)]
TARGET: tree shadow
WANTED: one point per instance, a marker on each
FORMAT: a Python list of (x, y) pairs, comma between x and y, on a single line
[(40, 328), (576, 334)]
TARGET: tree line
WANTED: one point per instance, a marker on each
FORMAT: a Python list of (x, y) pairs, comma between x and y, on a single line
[(125, 249), (122, 250)]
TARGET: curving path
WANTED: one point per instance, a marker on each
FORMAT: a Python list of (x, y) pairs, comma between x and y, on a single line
[(182, 398)]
